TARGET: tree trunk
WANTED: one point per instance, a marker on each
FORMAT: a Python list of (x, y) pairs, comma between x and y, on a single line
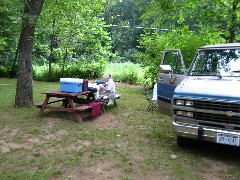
[(52, 36), (233, 24), (64, 61), (24, 93)]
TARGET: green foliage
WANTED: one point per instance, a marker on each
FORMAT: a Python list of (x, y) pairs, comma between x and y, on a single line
[(126, 56), (10, 13), (183, 39), (130, 54), (40, 73), (77, 29), (126, 72), (3, 43), (222, 16), (80, 70), (77, 70), (125, 16), (3, 71), (159, 13)]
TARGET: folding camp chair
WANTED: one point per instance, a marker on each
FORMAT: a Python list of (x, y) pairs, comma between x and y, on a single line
[(152, 102)]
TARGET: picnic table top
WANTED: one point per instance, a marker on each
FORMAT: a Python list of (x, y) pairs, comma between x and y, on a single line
[(58, 92)]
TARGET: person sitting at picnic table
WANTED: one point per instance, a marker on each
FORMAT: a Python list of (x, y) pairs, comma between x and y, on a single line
[(111, 80), (107, 89)]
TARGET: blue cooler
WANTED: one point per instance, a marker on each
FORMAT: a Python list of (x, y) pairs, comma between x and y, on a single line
[(72, 85)]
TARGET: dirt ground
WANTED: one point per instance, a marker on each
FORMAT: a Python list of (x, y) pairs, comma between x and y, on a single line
[(106, 169)]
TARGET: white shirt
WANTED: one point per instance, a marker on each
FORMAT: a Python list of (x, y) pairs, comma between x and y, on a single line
[(111, 85)]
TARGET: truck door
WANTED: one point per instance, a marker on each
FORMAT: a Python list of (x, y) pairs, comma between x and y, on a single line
[(172, 71)]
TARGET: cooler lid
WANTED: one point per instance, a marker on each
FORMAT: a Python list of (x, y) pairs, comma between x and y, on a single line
[(71, 80)]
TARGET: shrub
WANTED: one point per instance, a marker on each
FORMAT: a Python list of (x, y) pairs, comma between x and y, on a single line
[(3, 71), (77, 70)]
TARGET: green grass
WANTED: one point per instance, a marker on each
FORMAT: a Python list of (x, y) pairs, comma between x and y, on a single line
[(141, 145)]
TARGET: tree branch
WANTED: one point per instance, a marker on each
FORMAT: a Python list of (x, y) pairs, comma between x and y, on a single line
[(222, 3)]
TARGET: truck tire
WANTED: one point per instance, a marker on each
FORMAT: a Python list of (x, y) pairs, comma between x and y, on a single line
[(183, 141)]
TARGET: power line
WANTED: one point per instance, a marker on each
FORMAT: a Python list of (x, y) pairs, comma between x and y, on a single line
[(137, 27)]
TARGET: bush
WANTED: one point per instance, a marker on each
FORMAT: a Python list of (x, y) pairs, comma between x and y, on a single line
[(41, 73), (3, 71), (125, 56), (77, 70)]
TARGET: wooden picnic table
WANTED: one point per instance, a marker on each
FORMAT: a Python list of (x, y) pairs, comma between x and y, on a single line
[(68, 102)]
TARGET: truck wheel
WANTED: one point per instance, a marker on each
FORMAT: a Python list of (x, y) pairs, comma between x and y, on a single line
[(184, 142)]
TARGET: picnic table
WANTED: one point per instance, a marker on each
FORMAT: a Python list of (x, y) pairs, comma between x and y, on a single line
[(68, 101)]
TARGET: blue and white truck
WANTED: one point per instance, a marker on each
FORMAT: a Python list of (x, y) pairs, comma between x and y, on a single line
[(204, 100)]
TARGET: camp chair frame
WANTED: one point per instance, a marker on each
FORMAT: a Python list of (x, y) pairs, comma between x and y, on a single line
[(152, 103)]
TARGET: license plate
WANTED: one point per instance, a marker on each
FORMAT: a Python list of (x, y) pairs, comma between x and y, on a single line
[(228, 139)]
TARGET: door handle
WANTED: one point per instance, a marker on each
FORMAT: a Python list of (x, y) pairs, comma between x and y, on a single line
[(172, 79)]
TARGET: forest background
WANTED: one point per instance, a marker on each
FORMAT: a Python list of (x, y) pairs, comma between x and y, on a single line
[(123, 37)]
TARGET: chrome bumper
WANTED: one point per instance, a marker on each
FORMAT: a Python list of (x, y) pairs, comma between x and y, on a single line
[(199, 132)]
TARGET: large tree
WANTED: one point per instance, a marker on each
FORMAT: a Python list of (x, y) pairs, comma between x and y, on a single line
[(214, 15), (24, 92)]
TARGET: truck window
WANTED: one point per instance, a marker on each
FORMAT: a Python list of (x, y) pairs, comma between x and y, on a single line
[(173, 59), (216, 62)]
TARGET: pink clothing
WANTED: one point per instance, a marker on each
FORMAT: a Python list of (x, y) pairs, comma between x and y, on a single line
[(96, 108)]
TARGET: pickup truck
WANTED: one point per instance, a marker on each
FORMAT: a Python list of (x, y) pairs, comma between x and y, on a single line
[(204, 100)]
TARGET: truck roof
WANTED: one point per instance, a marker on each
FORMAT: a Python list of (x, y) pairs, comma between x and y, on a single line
[(221, 46)]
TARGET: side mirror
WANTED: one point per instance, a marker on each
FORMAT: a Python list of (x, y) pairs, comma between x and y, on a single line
[(165, 69)]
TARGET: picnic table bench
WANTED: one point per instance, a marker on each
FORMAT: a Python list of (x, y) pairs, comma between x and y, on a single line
[(68, 102)]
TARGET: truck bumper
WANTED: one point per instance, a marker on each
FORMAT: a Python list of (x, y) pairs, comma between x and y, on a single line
[(200, 132)]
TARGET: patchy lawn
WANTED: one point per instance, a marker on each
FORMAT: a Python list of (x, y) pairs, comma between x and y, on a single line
[(126, 142)]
